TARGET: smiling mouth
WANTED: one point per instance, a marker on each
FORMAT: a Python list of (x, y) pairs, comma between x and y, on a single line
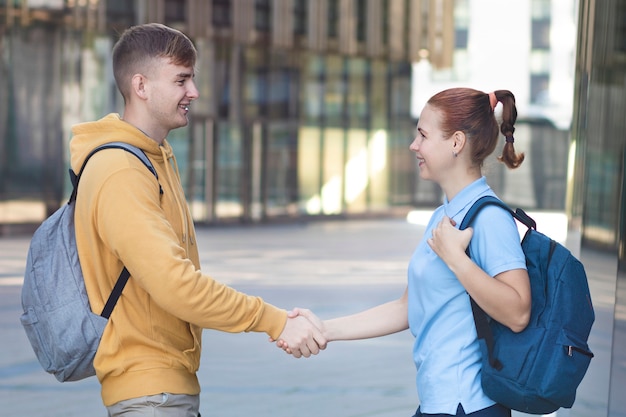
[(184, 107)]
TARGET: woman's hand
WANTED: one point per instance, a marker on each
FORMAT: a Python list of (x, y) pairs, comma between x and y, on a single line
[(319, 337), (448, 242)]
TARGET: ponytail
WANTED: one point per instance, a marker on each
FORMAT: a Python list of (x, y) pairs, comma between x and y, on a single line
[(509, 115)]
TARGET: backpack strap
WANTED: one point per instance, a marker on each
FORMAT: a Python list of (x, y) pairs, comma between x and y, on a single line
[(75, 178), (519, 214), (483, 329), (116, 293), (124, 275)]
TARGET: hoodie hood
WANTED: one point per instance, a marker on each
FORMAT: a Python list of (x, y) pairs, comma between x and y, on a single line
[(111, 128)]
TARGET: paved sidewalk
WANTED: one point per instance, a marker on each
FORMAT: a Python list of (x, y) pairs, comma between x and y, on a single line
[(334, 268)]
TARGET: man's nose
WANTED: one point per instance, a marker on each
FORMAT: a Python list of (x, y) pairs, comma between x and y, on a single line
[(193, 92)]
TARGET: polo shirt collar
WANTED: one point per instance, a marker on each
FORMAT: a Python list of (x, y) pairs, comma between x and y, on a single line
[(463, 200)]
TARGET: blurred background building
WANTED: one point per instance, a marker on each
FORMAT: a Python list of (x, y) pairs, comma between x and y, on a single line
[(307, 110), (304, 107)]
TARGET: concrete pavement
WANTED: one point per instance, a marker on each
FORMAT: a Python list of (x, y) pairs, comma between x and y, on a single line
[(334, 268)]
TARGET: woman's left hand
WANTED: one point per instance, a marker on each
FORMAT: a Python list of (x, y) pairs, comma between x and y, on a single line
[(448, 242)]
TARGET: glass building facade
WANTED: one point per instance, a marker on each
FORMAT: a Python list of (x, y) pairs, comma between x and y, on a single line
[(304, 106), (596, 198)]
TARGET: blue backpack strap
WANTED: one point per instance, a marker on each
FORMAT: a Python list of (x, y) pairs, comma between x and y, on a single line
[(483, 329), (518, 214), (125, 274)]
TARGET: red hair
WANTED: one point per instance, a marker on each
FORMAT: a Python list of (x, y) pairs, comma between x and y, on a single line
[(470, 111)]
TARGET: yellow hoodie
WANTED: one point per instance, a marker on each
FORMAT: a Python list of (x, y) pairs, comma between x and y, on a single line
[(152, 342)]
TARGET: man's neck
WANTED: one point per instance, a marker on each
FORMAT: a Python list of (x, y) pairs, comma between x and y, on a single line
[(144, 128)]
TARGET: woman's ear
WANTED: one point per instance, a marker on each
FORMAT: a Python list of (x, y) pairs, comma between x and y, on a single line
[(459, 140)]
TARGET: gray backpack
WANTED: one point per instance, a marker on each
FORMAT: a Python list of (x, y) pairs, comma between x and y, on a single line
[(57, 318)]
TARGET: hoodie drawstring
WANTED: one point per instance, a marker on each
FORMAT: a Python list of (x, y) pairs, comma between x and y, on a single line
[(168, 157)]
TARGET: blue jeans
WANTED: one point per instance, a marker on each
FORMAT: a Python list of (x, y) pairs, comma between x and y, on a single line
[(495, 410)]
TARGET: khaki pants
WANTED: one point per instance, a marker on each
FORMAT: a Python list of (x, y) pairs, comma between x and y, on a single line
[(160, 405)]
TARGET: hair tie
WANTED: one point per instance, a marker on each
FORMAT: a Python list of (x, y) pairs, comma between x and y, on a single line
[(510, 139), (493, 100)]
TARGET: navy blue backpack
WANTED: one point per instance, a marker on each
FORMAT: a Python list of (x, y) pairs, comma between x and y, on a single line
[(538, 370)]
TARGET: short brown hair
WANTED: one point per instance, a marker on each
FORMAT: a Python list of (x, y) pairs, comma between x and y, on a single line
[(138, 45)]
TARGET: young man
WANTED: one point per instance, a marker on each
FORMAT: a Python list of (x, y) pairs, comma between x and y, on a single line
[(150, 351)]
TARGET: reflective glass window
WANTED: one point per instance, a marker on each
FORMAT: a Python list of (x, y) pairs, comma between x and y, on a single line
[(335, 91), (228, 172)]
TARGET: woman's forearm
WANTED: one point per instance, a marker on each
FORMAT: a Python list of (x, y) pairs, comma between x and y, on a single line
[(388, 318)]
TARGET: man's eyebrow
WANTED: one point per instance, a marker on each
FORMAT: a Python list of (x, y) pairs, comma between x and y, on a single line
[(185, 75)]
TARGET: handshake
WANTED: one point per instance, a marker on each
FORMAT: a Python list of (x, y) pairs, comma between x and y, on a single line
[(303, 335)]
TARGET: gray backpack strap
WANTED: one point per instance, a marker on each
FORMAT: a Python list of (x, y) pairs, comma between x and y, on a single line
[(75, 177), (124, 275)]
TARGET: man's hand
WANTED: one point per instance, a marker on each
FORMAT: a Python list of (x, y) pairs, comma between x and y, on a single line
[(301, 337)]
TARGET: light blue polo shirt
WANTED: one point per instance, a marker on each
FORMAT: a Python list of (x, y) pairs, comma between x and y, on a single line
[(446, 351)]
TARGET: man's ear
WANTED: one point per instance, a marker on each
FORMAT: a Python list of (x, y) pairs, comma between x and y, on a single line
[(138, 84), (459, 140)]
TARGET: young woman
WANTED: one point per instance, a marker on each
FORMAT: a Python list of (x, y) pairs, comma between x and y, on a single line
[(456, 132)]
